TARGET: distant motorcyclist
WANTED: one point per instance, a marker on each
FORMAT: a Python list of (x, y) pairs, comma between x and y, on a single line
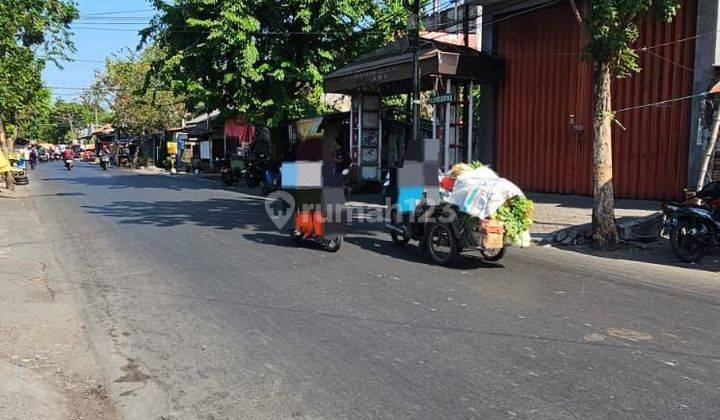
[(104, 158), (67, 154)]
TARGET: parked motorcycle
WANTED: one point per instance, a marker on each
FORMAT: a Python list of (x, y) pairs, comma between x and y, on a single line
[(69, 164), (252, 174), (105, 163), (226, 172), (693, 228), (262, 172)]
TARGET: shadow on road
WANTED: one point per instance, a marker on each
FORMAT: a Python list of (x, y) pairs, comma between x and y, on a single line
[(218, 213), (118, 181), (658, 253), (411, 253)]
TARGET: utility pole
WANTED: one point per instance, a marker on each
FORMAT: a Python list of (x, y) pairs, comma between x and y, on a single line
[(414, 38)]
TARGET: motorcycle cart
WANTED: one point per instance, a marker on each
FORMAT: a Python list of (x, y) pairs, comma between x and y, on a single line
[(441, 229), (317, 191)]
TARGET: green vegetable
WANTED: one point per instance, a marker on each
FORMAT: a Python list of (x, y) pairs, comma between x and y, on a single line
[(516, 215)]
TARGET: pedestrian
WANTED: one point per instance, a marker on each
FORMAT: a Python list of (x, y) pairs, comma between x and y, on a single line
[(33, 157)]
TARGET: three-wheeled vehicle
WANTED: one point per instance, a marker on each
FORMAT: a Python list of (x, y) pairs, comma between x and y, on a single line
[(443, 231), (417, 212)]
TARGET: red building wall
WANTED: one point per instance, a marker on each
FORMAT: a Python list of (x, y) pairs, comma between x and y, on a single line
[(546, 82)]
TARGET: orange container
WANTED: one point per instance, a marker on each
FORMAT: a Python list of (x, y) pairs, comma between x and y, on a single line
[(310, 223)]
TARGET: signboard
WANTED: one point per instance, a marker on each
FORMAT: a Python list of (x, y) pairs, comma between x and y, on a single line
[(441, 99), (309, 128), (204, 150), (172, 147), (187, 155)]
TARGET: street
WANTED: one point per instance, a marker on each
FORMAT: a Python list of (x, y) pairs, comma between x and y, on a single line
[(196, 306)]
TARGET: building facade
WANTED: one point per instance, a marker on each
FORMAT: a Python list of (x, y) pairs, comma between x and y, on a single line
[(536, 125)]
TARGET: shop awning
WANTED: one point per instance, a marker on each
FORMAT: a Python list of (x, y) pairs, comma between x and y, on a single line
[(389, 69)]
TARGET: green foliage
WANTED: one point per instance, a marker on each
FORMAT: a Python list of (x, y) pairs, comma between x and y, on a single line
[(264, 59), (613, 28), (140, 102), (29, 27), (34, 121), (516, 215), (65, 119)]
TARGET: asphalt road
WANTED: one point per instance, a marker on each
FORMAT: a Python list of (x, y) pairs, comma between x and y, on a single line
[(198, 307)]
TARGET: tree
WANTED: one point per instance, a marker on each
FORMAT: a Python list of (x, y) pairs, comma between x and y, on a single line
[(139, 101), (33, 120), (96, 96), (28, 26), (66, 118), (262, 58), (612, 27)]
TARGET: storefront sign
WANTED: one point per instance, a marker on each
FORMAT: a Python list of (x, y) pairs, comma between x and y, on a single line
[(441, 99)]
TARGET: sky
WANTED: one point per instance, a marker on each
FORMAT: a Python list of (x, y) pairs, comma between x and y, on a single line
[(104, 27)]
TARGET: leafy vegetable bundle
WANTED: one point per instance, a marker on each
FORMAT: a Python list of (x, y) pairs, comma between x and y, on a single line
[(516, 215)]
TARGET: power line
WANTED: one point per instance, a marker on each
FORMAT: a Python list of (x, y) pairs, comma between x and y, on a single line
[(116, 12), (663, 102)]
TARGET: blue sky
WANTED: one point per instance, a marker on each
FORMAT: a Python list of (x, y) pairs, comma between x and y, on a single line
[(104, 27)]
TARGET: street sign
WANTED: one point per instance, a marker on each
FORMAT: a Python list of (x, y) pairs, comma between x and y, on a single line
[(441, 99)]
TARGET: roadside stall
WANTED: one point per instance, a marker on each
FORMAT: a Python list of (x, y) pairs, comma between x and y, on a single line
[(448, 73), (437, 199)]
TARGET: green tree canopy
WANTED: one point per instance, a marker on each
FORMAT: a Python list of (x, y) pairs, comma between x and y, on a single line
[(262, 58), (27, 28), (139, 101), (613, 28), (65, 119)]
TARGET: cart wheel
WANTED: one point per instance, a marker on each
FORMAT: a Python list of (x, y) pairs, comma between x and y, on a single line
[(442, 246), (493, 254), (400, 239), (332, 244), (296, 236)]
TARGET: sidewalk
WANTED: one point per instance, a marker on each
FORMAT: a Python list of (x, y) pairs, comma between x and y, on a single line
[(47, 366), (557, 215)]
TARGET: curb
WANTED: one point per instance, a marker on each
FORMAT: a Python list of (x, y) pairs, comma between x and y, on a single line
[(630, 231)]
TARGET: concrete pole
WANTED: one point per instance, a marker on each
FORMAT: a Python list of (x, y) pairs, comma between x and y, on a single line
[(470, 125), (446, 153), (709, 151)]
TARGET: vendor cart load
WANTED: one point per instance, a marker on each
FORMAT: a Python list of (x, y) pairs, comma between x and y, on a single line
[(469, 208)]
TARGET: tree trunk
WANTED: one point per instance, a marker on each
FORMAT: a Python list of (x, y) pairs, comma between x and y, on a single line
[(604, 228), (9, 178)]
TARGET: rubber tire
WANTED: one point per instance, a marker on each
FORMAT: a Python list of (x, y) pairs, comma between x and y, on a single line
[(496, 257), (399, 239), (228, 179), (332, 244), (453, 244), (251, 184), (677, 249), (296, 237)]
